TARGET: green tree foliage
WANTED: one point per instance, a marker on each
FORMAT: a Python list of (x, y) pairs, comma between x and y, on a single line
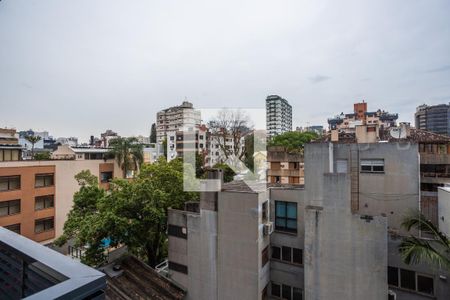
[(42, 156), (33, 139), (228, 173), (293, 141), (199, 163), (249, 151), (153, 134), (127, 152), (164, 145), (415, 250), (133, 213)]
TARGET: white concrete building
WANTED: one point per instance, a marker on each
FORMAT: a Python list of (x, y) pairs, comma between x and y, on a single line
[(278, 115)]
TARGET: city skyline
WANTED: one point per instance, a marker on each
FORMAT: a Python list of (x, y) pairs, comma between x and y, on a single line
[(65, 58)]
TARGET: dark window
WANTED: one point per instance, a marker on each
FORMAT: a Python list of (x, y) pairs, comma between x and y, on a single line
[(43, 202), (276, 290), (14, 227), (276, 252), (178, 267), (265, 256), (8, 183), (286, 292), (42, 225), (393, 276), (42, 180), (425, 284), (177, 231), (297, 294), (8, 208), (264, 212), (286, 216), (297, 256), (407, 279), (286, 253), (372, 165), (106, 176)]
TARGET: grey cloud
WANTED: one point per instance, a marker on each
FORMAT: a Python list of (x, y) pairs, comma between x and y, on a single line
[(319, 78)]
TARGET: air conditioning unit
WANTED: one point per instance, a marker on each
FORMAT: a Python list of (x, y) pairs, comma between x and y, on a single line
[(268, 228)]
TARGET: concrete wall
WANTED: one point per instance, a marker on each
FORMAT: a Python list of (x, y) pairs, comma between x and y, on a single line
[(444, 210), (345, 256)]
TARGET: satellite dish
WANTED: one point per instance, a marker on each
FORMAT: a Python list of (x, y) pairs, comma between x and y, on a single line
[(398, 132)]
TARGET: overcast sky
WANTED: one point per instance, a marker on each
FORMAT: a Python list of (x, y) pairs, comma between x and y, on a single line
[(76, 68)]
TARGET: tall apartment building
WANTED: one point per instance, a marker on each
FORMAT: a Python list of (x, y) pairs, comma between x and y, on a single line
[(361, 116), (278, 115), (172, 119), (334, 238), (434, 118), (36, 196)]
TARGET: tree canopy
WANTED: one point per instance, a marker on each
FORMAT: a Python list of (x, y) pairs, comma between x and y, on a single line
[(293, 141), (127, 152), (132, 213)]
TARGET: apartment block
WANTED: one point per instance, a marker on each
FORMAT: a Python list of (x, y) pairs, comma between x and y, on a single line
[(10, 149), (278, 115), (361, 116), (434, 118), (173, 119), (285, 167), (36, 196)]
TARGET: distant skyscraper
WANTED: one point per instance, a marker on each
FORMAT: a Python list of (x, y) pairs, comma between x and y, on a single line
[(434, 118), (278, 115)]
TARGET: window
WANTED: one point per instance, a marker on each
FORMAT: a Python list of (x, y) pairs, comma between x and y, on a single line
[(286, 216), (265, 256), (106, 176), (286, 253), (425, 284), (177, 231), (297, 256), (407, 279), (14, 227), (8, 208), (42, 225), (286, 292), (276, 290), (297, 294), (9, 183), (42, 180), (276, 252), (43, 202), (264, 212), (178, 267), (393, 276), (372, 165)]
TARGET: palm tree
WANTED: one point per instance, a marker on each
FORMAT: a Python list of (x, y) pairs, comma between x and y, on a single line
[(434, 250), (128, 153), (33, 139)]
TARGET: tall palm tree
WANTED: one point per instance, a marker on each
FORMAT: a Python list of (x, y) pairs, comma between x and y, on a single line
[(128, 153), (434, 250), (33, 139)]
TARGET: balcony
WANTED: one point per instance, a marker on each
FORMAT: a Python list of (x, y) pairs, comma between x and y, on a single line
[(435, 159)]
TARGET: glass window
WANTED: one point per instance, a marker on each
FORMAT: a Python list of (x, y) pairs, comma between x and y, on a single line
[(372, 165), (14, 227), (276, 252), (42, 180), (286, 253), (8, 208), (276, 290), (106, 176), (43, 202), (8, 183), (286, 292), (408, 279), (42, 225), (265, 256), (425, 284), (286, 216), (393, 276), (297, 294), (297, 256)]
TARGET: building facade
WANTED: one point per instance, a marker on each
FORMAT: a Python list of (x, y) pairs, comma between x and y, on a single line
[(434, 118), (173, 119), (285, 167), (10, 149), (278, 115), (36, 196)]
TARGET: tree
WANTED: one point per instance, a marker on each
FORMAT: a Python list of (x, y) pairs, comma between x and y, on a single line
[(153, 134), (128, 153), (230, 125), (33, 139), (134, 213), (42, 156), (249, 151), (164, 145), (414, 250), (293, 141)]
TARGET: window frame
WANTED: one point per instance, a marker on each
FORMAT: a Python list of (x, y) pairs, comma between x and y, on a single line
[(416, 281), (10, 227), (44, 221), (8, 205), (371, 163), (108, 179), (8, 178), (44, 198), (286, 219), (44, 175)]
